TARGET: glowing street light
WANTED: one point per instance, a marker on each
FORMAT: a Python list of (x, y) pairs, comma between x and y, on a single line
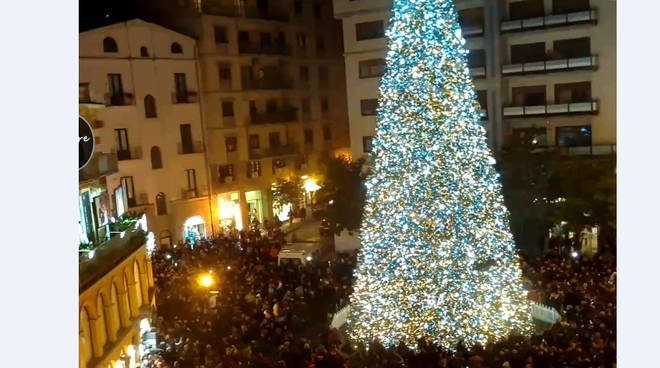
[(205, 280)]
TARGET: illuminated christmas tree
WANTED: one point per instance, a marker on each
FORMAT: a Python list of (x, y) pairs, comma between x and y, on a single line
[(437, 259)]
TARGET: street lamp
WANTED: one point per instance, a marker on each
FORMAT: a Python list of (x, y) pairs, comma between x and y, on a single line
[(205, 280)]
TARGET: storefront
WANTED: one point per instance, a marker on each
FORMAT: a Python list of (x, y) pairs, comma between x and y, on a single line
[(229, 211), (194, 228), (255, 202)]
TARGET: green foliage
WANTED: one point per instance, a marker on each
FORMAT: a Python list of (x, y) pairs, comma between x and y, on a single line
[(287, 191), (343, 186)]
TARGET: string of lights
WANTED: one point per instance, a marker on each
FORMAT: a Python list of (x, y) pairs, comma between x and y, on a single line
[(437, 261)]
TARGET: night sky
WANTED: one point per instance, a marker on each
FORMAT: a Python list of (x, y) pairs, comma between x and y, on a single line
[(95, 13)]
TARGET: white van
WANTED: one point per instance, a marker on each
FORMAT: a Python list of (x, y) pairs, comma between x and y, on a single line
[(299, 252)]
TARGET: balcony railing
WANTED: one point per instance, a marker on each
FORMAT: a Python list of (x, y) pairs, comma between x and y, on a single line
[(546, 66), (122, 99), (285, 150), (268, 14), (184, 97), (213, 9), (555, 109), (195, 147), (548, 21), (285, 115), (267, 83), (190, 193), (472, 31), (595, 150), (478, 72), (134, 153), (101, 164), (108, 255), (257, 48)]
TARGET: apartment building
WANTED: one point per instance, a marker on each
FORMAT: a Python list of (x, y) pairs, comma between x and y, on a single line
[(139, 87), (273, 98), (544, 70)]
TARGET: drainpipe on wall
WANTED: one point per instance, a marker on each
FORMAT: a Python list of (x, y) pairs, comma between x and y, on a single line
[(209, 179)]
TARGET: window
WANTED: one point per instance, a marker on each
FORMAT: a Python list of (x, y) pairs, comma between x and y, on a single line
[(83, 93), (243, 37), (530, 137), (369, 30), (253, 141), (309, 136), (323, 76), (305, 105), (161, 204), (528, 53), (254, 169), (180, 87), (129, 190), (156, 160), (227, 109), (482, 98), (526, 9), (116, 89), (324, 108), (149, 106), (271, 106), (224, 71), (317, 10), (109, 45), (230, 144), (473, 17), (566, 93), (226, 171), (304, 74), (144, 52), (528, 96), (253, 108), (573, 136), (372, 68), (297, 7), (220, 34), (320, 44), (326, 133), (476, 58), (123, 148), (266, 40), (569, 6), (573, 48), (192, 180), (369, 106), (302, 40), (367, 142), (176, 48), (186, 139), (274, 140)]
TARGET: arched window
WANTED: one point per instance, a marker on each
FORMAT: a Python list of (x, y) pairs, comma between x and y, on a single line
[(115, 320), (161, 204), (109, 45), (100, 321), (176, 48), (150, 106), (130, 305), (85, 335), (156, 160), (138, 284), (144, 52)]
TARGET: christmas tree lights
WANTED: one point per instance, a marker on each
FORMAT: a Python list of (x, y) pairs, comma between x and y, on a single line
[(437, 261)]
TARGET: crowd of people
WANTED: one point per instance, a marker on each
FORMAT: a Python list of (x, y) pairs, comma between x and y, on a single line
[(259, 314)]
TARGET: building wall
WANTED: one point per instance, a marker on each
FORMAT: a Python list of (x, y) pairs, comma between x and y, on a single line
[(114, 316), (141, 76), (498, 86)]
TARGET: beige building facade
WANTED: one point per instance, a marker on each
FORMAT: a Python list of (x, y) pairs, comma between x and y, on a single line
[(139, 87), (544, 70)]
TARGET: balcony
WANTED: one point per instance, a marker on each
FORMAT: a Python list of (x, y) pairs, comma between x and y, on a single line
[(214, 9), (548, 66), (484, 114), (472, 31), (101, 164), (267, 83), (184, 97), (555, 109), (195, 147), (107, 255), (285, 150), (549, 21), (134, 153), (478, 72), (284, 115), (121, 99), (263, 49), (267, 14), (191, 193)]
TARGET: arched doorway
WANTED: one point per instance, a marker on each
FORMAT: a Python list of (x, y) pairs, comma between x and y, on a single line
[(85, 336), (194, 228), (138, 284), (100, 321), (115, 319)]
